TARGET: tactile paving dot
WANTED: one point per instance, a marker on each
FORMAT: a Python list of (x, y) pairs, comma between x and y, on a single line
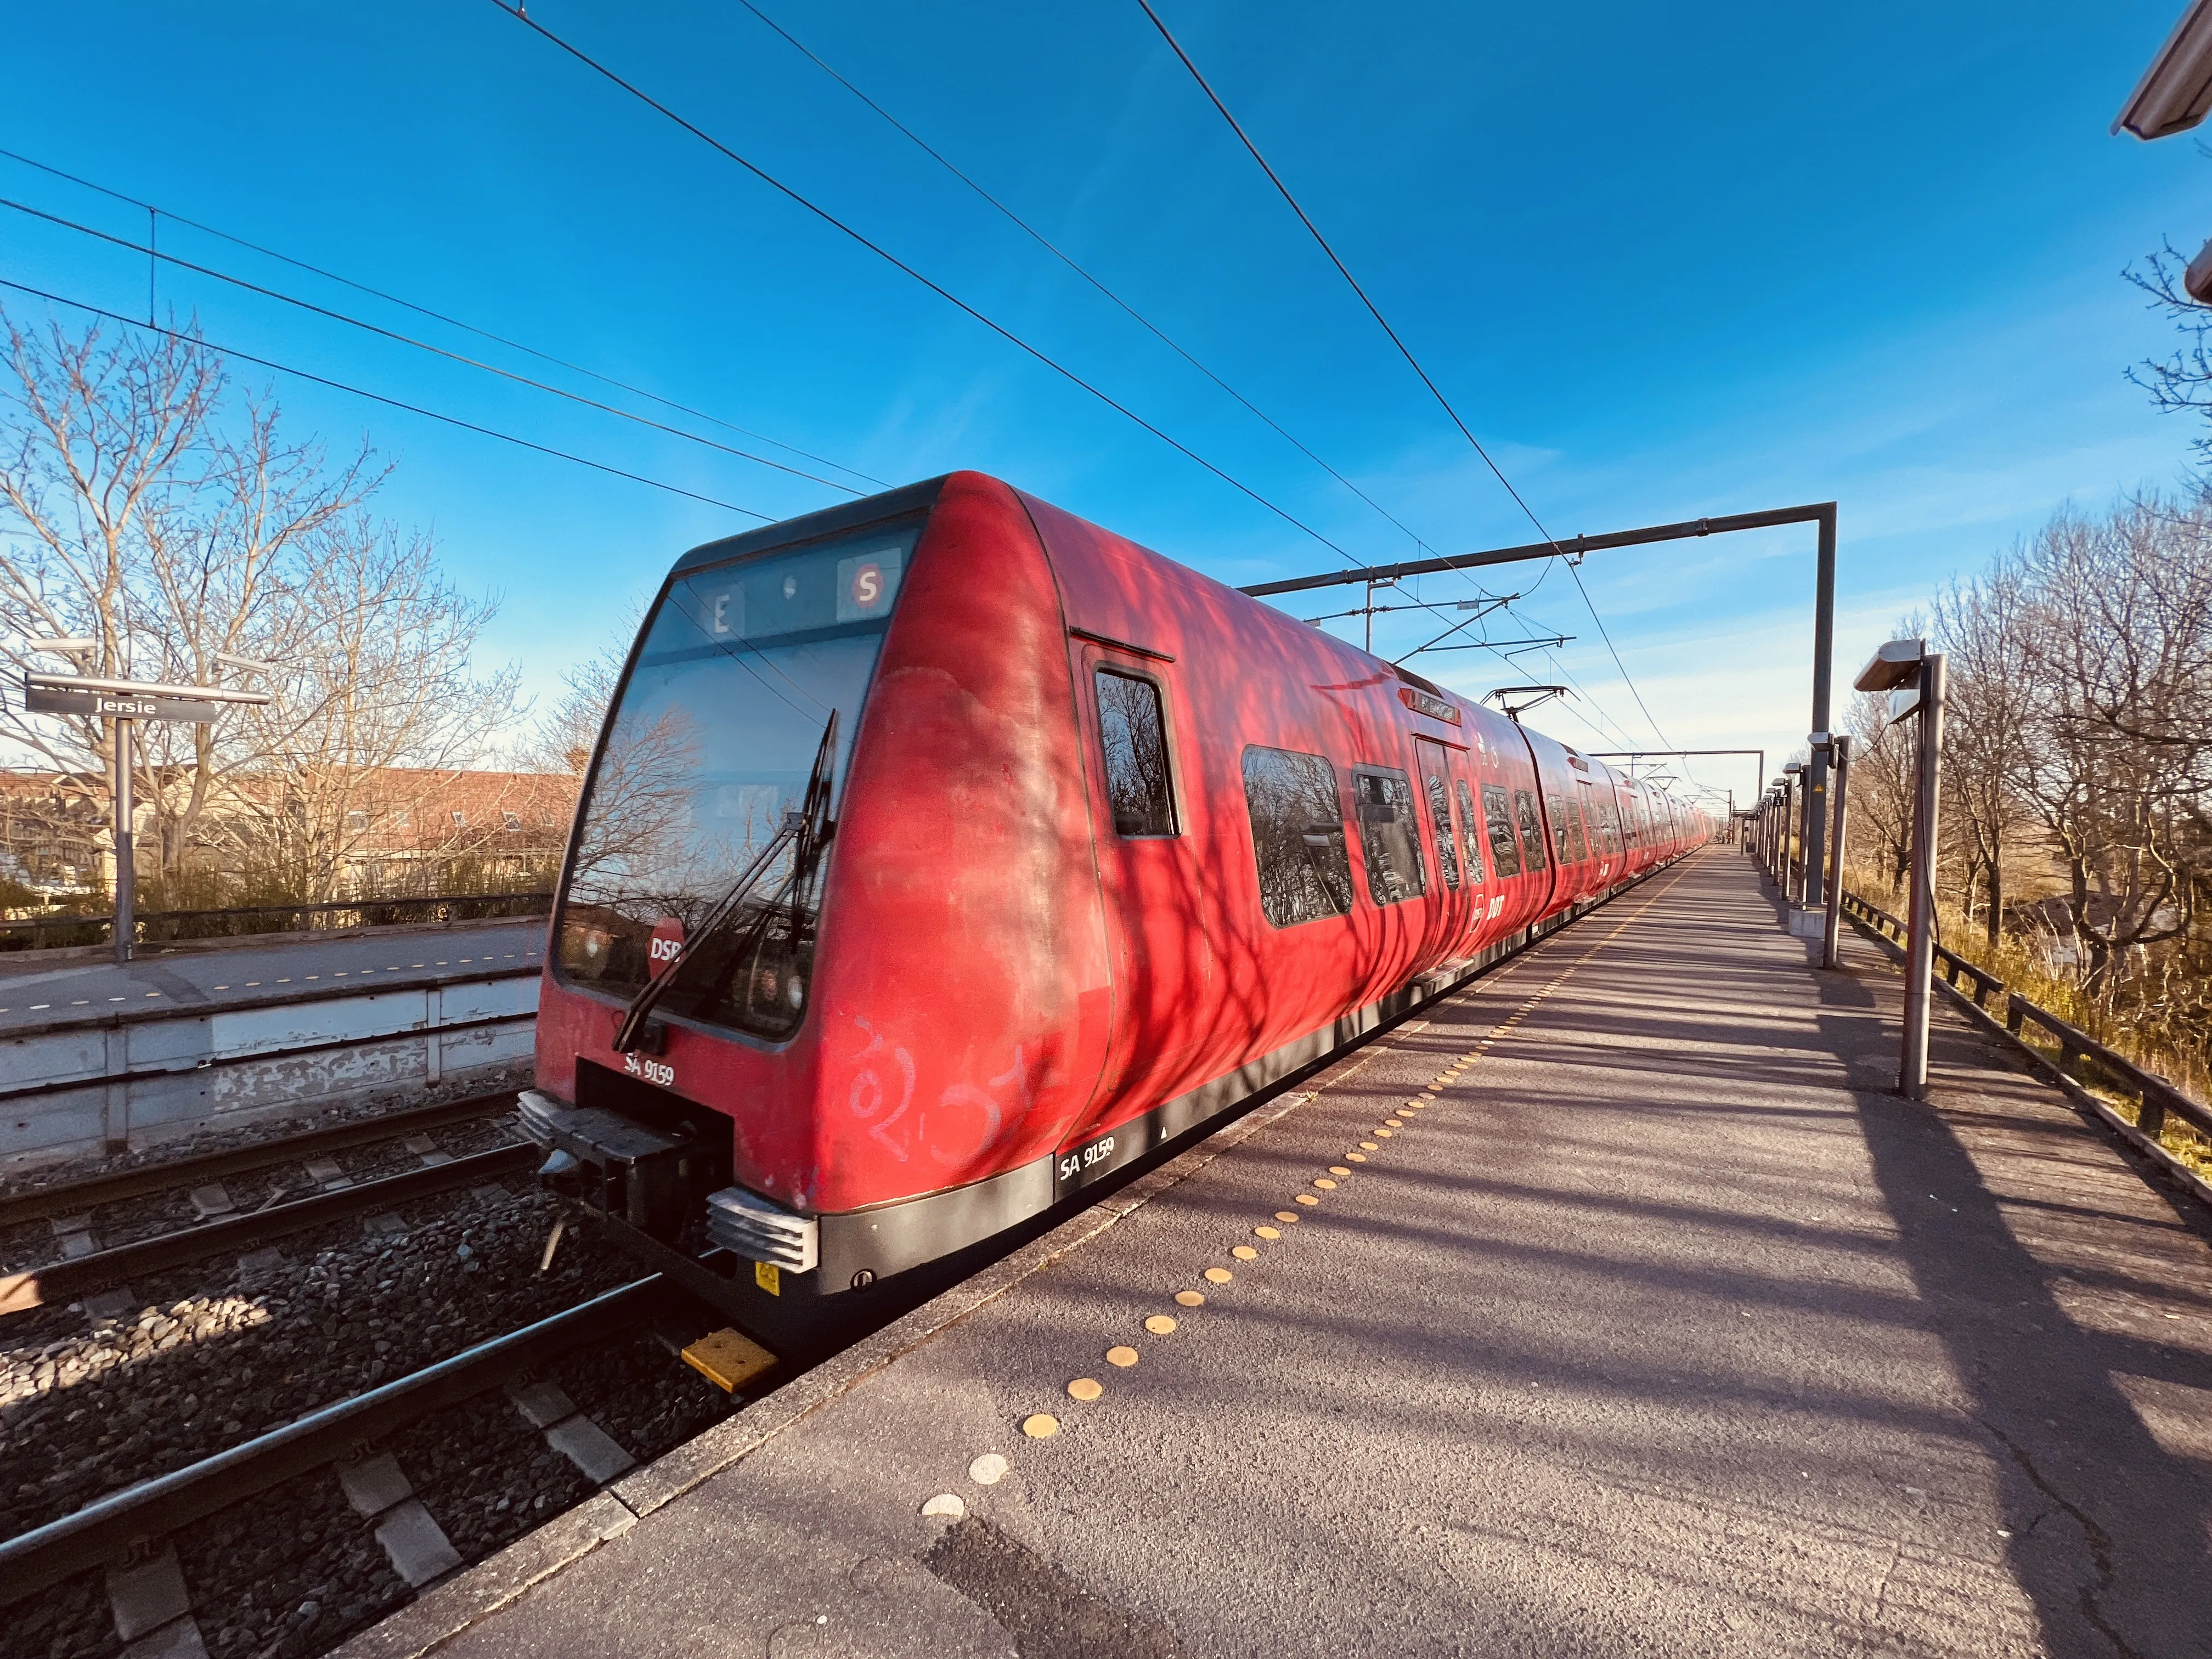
[(1355, 1157), (988, 1470), (1337, 1170), (1042, 1426), (1307, 1198), (1218, 1275), (1325, 1183), (1245, 1253), (1286, 1215), (1191, 1298), (1370, 1146), (1124, 1356), (1161, 1324), (1385, 1133), (1267, 1232), (1394, 1122), (1085, 1388)]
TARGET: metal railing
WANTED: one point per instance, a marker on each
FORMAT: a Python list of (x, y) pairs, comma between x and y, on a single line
[(2155, 1099), (166, 927)]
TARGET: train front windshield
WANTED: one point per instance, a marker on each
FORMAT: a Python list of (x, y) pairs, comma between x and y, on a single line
[(714, 735)]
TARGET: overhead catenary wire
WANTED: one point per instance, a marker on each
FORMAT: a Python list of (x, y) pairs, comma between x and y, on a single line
[(377, 329), (1404, 351), (379, 398), (1067, 259), (155, 213), (892, 259)]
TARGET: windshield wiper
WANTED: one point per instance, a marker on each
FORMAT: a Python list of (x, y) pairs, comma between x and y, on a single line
[(807, 830)]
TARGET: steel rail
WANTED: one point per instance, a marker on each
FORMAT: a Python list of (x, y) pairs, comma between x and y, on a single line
[(106, 1529), (58, 1281), (76, 1196)]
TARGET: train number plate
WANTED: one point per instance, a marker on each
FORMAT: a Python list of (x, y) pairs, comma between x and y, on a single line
[(1074, 1165), (652, 1071)]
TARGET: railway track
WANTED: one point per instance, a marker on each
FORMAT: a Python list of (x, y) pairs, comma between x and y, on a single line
[(341, 1438), (95, 1192), (330, 1196)]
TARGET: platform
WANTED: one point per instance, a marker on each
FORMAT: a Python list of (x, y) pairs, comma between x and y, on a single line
[(1666, 1330), (46, 990)]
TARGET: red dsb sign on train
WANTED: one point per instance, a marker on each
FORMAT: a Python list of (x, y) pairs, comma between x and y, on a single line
[(667, 941)]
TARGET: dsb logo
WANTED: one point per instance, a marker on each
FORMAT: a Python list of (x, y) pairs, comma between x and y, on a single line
[(666, 943)]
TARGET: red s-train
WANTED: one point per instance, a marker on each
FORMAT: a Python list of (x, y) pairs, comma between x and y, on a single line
[(944, 853)]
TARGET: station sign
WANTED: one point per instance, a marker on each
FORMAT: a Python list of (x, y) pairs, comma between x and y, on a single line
[(124, 699)]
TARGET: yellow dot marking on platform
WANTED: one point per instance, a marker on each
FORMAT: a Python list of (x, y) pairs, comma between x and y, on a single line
[(1325, 1183), (1191, 1298), (1369, 1145), (1307, 1198), (1393, 1123), (1355, 1157), (1161, 1324), (1085, 1388), (1286, 1215), (1244, 1253), (1218, 1275), (1426, 1098), (1385, 1133), (1123, 1356), (1267, 1232), (1042, 1426), (1337, 1170)]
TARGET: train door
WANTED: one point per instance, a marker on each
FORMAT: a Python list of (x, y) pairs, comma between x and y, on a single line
[(1448, 903), (1163, 960), (1484, 899)]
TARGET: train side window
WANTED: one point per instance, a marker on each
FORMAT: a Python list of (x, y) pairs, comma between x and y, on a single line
[(1471, 829), (1298, 835), (1608, 824), (1394, 873), (1447, 844), (1497, 812), (1567, 845), (1532, 829), (1136, 744)]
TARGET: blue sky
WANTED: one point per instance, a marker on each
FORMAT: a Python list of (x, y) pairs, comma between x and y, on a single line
[(1665, 262)]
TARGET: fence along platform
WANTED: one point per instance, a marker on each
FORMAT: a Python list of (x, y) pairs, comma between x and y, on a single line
[(1667, 1328)]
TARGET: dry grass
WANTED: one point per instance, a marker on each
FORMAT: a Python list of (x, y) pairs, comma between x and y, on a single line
[(2027, 971)]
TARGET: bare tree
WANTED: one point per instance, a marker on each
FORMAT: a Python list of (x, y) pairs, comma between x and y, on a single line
[(1984, 627), (144, 506), (136, 516), (374, 690), (2116, 759)]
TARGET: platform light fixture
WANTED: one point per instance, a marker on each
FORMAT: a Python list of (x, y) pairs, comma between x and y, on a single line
[(2176, 90), (1913, 677)]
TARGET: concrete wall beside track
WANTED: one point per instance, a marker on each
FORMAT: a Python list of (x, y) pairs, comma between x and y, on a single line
[(76, 1087)]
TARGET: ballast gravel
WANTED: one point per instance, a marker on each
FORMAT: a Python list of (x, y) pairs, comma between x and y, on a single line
[(88, 1414), (295, 1571)]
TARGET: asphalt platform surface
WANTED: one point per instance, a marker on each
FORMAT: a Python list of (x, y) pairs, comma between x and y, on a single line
[(41, 991), (1665, 1330)]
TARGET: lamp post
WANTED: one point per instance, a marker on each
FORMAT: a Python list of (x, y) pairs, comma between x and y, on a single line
[(1913, 677), (1792, 871), (1839, 749)]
